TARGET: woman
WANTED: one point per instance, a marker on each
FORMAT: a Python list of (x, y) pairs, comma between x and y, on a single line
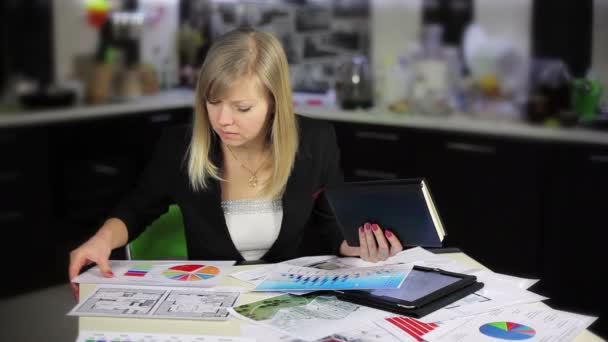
[(247, 175)]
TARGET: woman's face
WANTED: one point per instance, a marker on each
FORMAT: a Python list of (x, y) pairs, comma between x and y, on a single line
[(239, 117)]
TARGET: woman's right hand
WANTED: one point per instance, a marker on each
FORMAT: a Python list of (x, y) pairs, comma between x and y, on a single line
[(96, 250)]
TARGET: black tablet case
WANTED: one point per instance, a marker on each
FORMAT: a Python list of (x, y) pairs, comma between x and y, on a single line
[(435, 300), (397, 205)]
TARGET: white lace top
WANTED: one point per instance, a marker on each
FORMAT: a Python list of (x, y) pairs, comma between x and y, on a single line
[(254, 224)]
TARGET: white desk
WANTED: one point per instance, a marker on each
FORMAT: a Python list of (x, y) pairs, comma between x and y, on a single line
[(229, 327)]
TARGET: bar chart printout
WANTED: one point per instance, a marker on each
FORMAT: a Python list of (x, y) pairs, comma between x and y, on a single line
[(406, 328), (295, 278)]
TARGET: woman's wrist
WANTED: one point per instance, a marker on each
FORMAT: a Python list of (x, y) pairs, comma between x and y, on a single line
[(113, 232)]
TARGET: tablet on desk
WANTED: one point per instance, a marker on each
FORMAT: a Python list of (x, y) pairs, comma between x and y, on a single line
[(423, 291), (403, 206)]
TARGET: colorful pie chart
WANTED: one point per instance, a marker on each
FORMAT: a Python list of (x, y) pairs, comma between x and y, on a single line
[(191, 272), (507, 331)]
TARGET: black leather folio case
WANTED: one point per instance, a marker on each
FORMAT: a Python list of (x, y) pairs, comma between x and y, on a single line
[(404, 206)]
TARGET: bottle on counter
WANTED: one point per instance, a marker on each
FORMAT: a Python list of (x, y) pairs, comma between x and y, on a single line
[(430, 90), (354, 86), (395, 83), (586, 98), (550, 90), (131, 85)]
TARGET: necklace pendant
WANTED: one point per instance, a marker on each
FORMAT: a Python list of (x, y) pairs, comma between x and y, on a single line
[(253, 181)]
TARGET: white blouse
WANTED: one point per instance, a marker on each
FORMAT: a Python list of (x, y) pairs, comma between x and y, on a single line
[(254, 224)]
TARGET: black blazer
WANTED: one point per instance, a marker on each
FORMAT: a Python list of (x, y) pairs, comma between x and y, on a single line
[(308, 225)]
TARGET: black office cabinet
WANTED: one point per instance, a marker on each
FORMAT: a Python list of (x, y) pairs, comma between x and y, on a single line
[(488, 194), (575, 229), (374, 152), (487, 190), (24, 182), (96, 162), (58, 182), (25, 207)]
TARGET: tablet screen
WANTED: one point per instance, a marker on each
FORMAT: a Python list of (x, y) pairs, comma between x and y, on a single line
[(417, 285)]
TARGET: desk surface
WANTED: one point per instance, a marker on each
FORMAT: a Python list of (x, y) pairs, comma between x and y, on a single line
[(229, 327)]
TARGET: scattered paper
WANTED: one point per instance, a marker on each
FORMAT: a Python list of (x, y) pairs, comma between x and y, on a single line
[(309, 317), (404, 257), (363, 332), (489, 298), (159, 273), (250, 276), (499, 279), (156, 302), (309, 260), (254, 276), (500, 310), (107, 336), (417, 256), (519, 322)]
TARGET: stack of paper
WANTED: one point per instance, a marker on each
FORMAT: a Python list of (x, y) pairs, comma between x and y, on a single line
[(502, 309), (315, 317)]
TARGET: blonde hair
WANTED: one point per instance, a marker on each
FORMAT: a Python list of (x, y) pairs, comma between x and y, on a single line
[(236, 54)]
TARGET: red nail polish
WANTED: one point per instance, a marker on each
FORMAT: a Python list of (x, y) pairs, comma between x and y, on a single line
[(388, 233), (375, 227), (361, 230), (367, 226)]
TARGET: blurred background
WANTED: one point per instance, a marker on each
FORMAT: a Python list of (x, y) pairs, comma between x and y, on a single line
[(501, 105)]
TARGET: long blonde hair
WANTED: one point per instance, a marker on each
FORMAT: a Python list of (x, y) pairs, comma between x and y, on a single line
[(239, 53)]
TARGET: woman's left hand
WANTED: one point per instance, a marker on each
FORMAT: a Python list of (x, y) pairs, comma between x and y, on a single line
[(374, 244)]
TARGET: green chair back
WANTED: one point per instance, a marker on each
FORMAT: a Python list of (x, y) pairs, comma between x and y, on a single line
[(163, 239)]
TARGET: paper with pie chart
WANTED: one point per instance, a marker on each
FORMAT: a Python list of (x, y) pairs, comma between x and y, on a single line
[(192, 272), (507, 330), (159, 273), (524, 322)]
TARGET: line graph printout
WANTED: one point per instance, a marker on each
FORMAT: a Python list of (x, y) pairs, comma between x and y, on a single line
[(157, 302), (295, 278)]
